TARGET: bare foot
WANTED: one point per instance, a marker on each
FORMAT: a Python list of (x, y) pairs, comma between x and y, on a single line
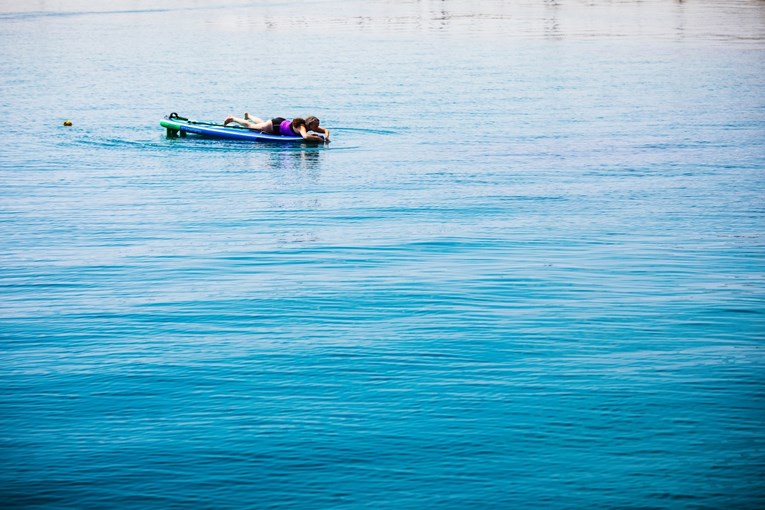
[(246, 116), (228, 120)]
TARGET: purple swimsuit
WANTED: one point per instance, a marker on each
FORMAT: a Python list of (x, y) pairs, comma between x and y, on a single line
[(285, 129)]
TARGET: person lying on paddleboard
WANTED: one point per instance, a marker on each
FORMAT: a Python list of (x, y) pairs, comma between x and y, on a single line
[(284, 127)]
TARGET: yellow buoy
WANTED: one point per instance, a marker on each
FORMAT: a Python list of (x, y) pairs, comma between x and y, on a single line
[(67, 122)]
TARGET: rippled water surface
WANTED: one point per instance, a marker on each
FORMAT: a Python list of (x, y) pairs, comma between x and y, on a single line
[(528, 272)]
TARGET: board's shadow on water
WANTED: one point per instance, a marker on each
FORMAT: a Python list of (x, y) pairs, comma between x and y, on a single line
[(206, 144), (294, 159)]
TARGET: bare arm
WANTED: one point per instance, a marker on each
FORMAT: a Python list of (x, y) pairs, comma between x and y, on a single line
[(309, 136), (323, 131)]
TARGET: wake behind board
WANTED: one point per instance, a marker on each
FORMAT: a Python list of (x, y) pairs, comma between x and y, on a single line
[(182, 126)]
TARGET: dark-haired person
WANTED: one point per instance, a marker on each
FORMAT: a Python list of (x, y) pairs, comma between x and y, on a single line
[(283, 127), (312, 124)]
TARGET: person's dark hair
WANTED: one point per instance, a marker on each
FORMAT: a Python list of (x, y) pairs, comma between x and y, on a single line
[(312, 120), (296, 123)]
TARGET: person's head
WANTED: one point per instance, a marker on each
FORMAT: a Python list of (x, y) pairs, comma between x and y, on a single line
[(311, 123), (296, 123)]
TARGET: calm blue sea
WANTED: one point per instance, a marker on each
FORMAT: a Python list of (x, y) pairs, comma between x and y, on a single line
[(528, 272)]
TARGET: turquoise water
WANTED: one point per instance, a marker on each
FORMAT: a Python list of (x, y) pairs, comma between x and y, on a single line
[(527, 273)]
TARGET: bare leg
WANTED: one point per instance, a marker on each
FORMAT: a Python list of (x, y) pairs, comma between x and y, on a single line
[(242, 122), (231, 119), (268, 127), (265, 126)]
